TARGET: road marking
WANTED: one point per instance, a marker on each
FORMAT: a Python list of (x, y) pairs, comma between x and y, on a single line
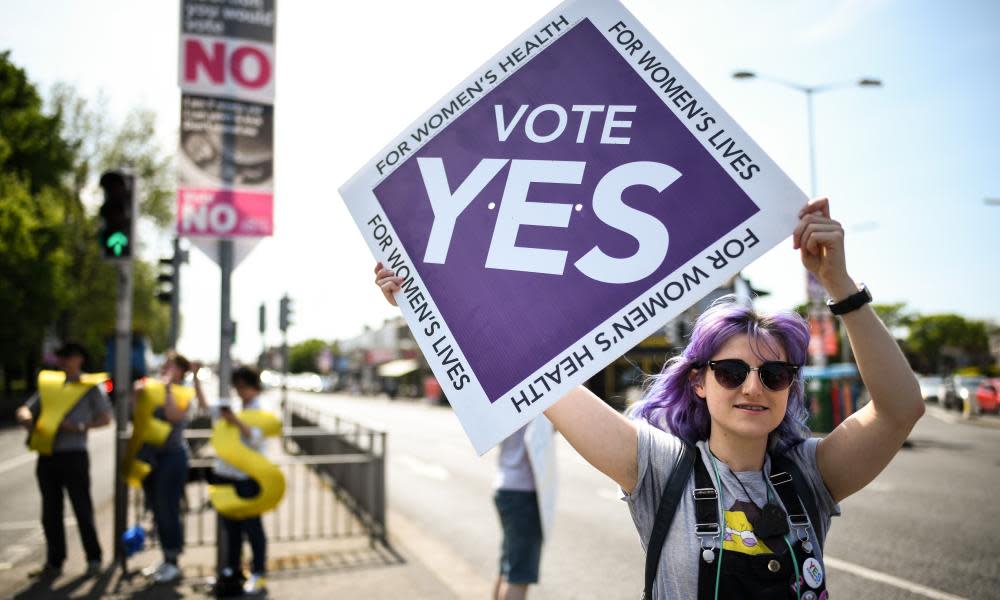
[(17, 461), (424, 469), (887, 579), (15, 552)]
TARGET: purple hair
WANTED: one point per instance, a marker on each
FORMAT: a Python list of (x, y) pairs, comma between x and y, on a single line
[(670, 402)]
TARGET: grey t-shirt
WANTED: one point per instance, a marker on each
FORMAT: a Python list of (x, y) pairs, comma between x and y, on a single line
[(93, 404), (677, 575)]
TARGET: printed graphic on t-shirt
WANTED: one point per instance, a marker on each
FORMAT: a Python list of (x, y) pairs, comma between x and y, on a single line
[(740, 535)]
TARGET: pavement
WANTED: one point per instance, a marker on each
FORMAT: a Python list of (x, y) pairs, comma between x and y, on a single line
[(333, 568)]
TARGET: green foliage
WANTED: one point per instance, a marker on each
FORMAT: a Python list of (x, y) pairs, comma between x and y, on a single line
[(943, 342), (54, 281), (31, 148), (34, 210), (893, 315), (99, 146), (302, 356), (27, 293), (133, 147)]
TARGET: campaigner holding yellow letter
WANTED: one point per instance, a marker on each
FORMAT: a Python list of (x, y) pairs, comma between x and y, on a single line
[(246, 483), (167, 471), (68, 403), (147, 428)]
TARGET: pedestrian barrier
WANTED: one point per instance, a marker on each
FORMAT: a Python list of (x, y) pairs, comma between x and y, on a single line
[(334, 470)]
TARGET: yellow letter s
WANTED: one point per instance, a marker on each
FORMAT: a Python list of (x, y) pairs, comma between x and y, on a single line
[(229, 447)]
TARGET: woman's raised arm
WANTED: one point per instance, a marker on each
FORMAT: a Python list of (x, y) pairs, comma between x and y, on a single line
[(860, 447)]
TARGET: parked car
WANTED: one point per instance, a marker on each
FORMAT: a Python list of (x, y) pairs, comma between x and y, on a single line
[(932, 387), (963, 389), (988, 395)]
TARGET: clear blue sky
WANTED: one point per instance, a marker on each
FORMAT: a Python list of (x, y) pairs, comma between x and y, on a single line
[(907, 166)]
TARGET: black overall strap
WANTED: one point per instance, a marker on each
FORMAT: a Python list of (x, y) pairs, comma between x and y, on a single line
[(679, 476), (790, 483), (708, 525), (706, 503)]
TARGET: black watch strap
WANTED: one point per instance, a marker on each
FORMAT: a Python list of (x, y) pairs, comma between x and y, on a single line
[(852, 302)]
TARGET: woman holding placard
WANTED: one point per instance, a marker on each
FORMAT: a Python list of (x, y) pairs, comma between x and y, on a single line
[(168, 460), (730, 494)]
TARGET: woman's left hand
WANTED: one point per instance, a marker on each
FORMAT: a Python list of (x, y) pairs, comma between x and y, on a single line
[(820, 241)]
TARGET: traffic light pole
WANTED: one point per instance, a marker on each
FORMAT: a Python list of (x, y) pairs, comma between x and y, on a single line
[(117, 238), (122, 388)]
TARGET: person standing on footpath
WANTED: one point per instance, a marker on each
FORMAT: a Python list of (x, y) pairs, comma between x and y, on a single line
[(73, 407), (517, 503), (165, 482), (246, 382), (516, 499)]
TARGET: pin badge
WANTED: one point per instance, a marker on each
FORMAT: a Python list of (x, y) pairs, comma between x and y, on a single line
[(812, 572)]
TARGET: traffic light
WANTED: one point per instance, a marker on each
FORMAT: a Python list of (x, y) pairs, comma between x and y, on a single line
[(285, 313), (262, 319), (166, 281), (116, 214)]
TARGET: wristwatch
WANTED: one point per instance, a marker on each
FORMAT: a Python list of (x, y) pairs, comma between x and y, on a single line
[(850, 303)]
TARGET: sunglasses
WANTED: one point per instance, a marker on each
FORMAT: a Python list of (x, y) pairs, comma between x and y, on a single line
[(776, 376)]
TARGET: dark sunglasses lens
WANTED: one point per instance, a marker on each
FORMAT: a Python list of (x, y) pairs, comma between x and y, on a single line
[(730, 374), (776, 377)]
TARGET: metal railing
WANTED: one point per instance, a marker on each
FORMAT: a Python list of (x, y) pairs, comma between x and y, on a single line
[(334, 472), (360, 486)]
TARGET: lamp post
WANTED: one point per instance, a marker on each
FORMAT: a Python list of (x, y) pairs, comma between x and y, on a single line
[(814, 291), (810, 91)]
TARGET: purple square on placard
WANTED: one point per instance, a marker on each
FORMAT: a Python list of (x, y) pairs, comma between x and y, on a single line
[(509, 323)]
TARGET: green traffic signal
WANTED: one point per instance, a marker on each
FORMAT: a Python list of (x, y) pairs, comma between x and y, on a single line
[(117, 214), (117, 241)]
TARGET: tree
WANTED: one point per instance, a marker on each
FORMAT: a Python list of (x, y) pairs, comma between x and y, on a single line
[(302, 356), (98, 146), (943, 342), (31, 148), (54, 282), (34, 203), (894, 315)]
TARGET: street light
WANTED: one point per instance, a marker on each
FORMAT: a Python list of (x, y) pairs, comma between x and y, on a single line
[(810, 91), (814, 292)]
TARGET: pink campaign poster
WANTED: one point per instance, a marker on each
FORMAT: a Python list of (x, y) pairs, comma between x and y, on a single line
[(224, 213)]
